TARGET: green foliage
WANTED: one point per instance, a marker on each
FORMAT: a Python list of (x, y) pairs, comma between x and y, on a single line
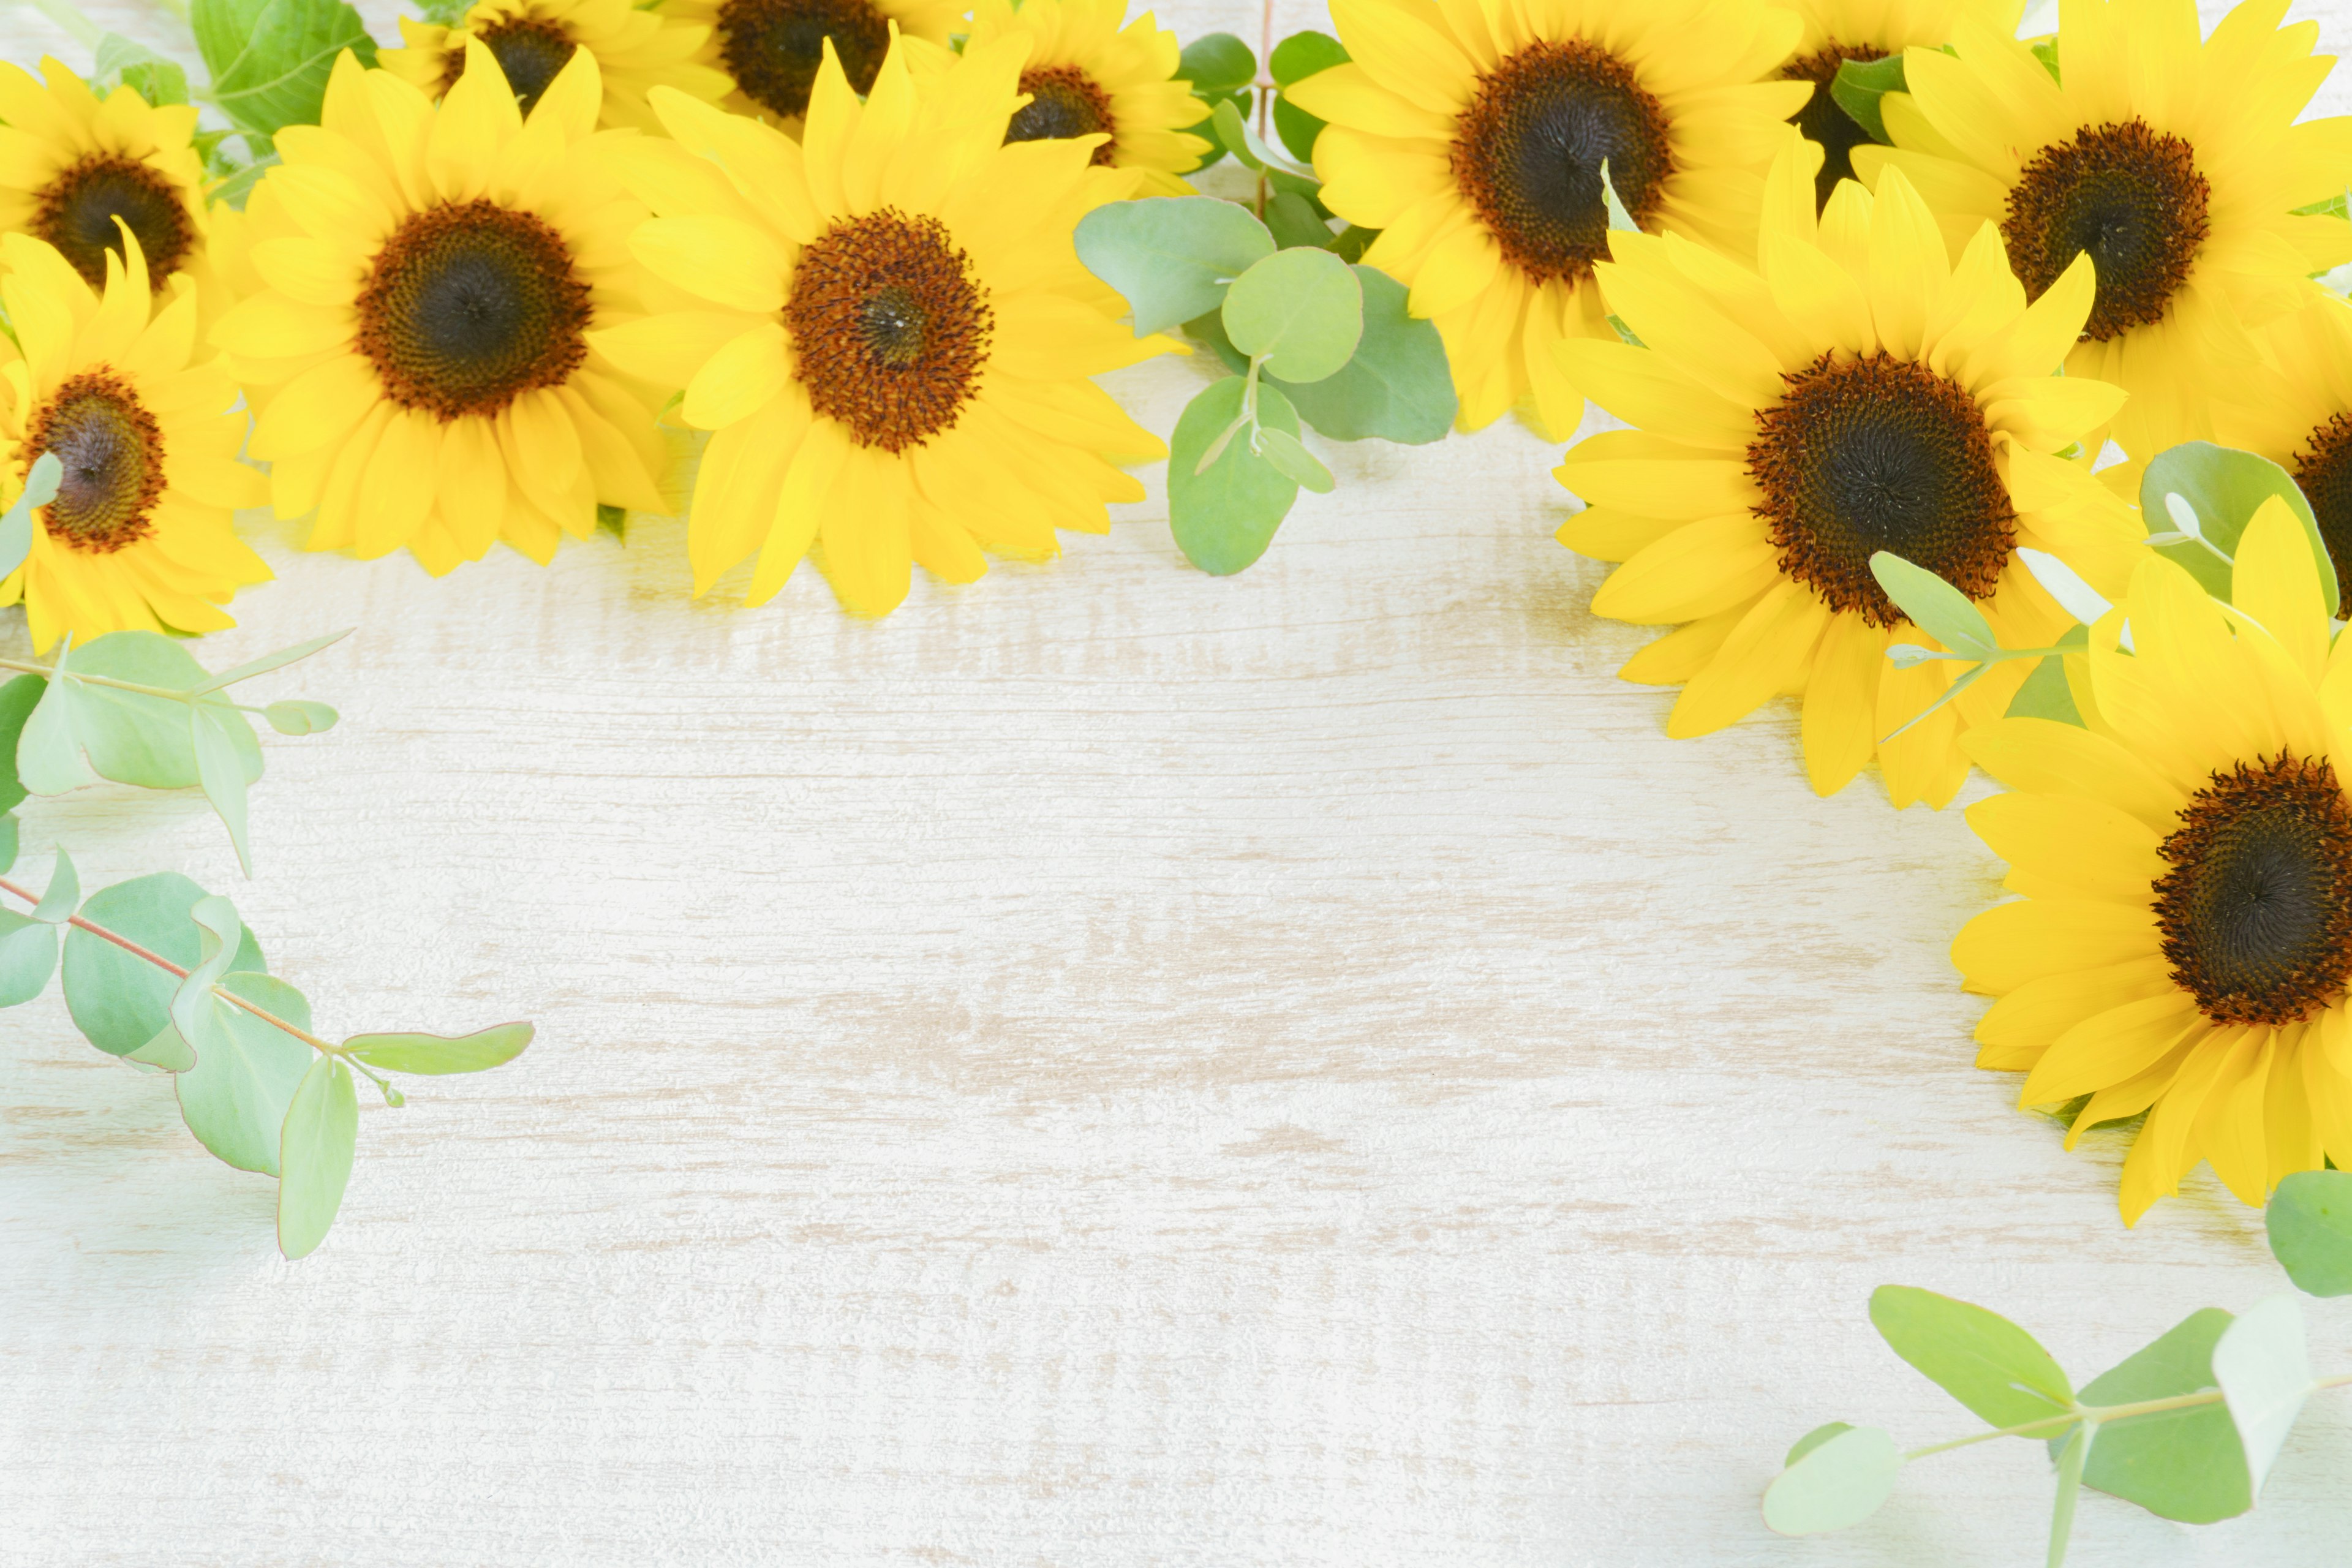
[(29, 956), (2045, 694), (314, 1157), (1835, 1480), (2182, 1464), (1295, 59), (1170, 257), (1859, 87), (2264, 1370), (477, 1052), (1291, 219), (235, 1095), (447, 13), (1223, 506), (121, 63), (16, 525), (1979, 1358), (2310, 1224), (1934, 605), (1397, 387), (2046, 51), (1299, 311), (1219, 67), (2196, 498), (119, 1001), (613, 519), (269, 58)]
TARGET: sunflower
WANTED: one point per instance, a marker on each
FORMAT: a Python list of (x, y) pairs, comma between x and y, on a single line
[(2173, 165), (1472, 137), (1859, 393), (139, 536), (773, 47), (2296, 410), (1086, 74), (420, 356), (2186, 935), (71, 163), (1837, 31), (637, 48), (890, 333)]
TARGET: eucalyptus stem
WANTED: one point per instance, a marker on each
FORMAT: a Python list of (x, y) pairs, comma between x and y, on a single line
[(2102, 1414), (27, 666)]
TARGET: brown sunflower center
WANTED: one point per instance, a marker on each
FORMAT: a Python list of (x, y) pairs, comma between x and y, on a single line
[(469, 306), (773, 47), (2256, 910), (1064, 102), (76, 213), (889, 327), (112, 453), (1528, 150), (1860, 456), (532, 50), (1821, 120), (2129, 196), (2324, 470)]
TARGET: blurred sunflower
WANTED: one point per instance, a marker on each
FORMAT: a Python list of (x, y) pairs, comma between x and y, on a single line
[(1858, 394), (139, 535), (2186, 935), (1086, 74), (889, 332), (2296, 409), (637, 48), (772, 48), (1472, 137), (419, 356), (1837, 31), (2173, 165)]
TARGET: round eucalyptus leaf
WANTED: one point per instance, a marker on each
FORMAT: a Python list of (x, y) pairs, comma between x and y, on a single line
[(2180, 1464), (1302, 309), (121, 1002), (235, 1098), (1170, 257), (29, 956), (17, 700), (1835, 1484), (2310, 1223), (315, 1148), (1225, 517)]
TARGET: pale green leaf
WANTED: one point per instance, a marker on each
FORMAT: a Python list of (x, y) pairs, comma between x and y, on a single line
[(2310, 1223), (1301, 309), (18, 698), (1170, 257), (16, 525), (48, 751), (1934, 605), (168, 1051), (269, 661), (1217, 63), (1295, 59), (295, 717), (1814, 1440), (1290, 218), (477, 1052), (64, 894), (2046, 695), (314, 1158), (142, 69), (1979, 1357), (219, 933), (235, 1098), (7, 842), (2078, 1444), (1287, 453), (2264, 1371), (224, 779), (1225, 517), (2222, 488), (29, 956), (1397, 387), (269, 58), (1861, 84), (121, 1002), (1228, 126), (2182, 1464), (135, 739), (1836, 1484)]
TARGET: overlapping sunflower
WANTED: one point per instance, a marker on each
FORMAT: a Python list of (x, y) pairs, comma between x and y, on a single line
[(774, 49), (637, 48), (1087, 75)]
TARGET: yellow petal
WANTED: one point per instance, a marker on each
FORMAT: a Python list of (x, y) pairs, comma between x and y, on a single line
[(2009, 944)]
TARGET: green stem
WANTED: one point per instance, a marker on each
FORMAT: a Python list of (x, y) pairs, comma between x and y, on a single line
[(168, 695), (2102, 1414), (69, 16)]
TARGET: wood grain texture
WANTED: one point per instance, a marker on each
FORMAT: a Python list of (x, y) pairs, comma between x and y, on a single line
[(1105, 1067)]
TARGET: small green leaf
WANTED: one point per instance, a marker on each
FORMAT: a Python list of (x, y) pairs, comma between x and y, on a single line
[(2181, 1464), (1227, 125), (300, 718), (269, 58), (2264, 1371), (1960, 683), (218, 935), (135, 739), (29, 956), (1292, 220), (1835, 1484), (1934, 605), (223, 780), (2065, 584), (17, 700), (613, 519), (169, 1051), (314, 1158), (121, 1002), (16, 526), (1350, 244), (139, 69), (2310, 1224), (1814, 1440), (1224, 519), (477, 1052), (2222, 488), (1287, 453), (2045, 694), (1302, 309), (1170, 257), (1861, 84), (64, 895), (1217, 63), (1295, 59), (2046, 51), (7, 842), (1396, 387), (2077, 1447), (1979, 1357), (235, 1098), (49, 750), (268, 662)]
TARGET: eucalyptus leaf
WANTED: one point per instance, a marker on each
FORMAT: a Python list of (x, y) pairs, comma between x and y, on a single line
[(121, 1002), (2181, 1464), (1979, 1357), (136, 739), (29, 956), (314, 1158), (1934, 605), (1302, 309), (269, 58), (2222, 488), (1224, 519), (1960, 683), (17, 700), (477, 1052), (1170, 257), (2310, 1224), (64, 895), (1352, 242), (2045, 694), (1814, 1440), (168, 1051), (48, 749), (235, 1098), (1219, 68), (2065, 584), (1295, 59), (295, 717), (219, 931), (16, 524), (1397, 385), (2077, 1447), (1836, 1484), (268, 662), (1859, 87), (2264, 1370), (1228, 126), (217, 768), (7, 842), (1291, 219), (1290, 455)]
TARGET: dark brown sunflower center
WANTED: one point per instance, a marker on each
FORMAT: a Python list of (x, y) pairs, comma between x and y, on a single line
[(1821, 120), (1860, 456), (112, 453), (2129, 196), (530, 50), (469, 306), (1528, 150), (889, 328), (2256, 910), (1064, 102), (2324, 470), (773, 47), (76, 213)]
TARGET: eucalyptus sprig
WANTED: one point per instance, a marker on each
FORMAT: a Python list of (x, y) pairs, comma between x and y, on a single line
[(2187, 1427)]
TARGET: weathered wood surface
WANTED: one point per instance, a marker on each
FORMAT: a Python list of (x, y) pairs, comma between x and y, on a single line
[(1105, 1066)]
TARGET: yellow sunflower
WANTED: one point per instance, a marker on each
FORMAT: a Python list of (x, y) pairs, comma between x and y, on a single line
[(1837, 31), (890, 334), (1859, 393), (772, 48), (139, 535), (420, 357), (1472, 135), (2296, 410), (636, 50), (2186, 935), (2173, 165), (71, 163), (1086, 74)]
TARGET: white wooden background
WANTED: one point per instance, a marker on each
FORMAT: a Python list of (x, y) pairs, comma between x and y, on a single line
[(1108, 1065)]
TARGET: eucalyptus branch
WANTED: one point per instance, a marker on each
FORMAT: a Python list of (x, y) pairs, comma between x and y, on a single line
[(2104, 1415)]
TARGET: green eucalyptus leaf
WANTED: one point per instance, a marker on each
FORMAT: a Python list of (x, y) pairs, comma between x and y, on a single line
[(1295, 59), (2182, 1464), (17, 700), (218, 770), (2263, 1366), (1350, 244), (2046, 51), (269, 58), (477, 1052), (1310, 190), (1934, 605), (139, 69), (1835, 1484), (1288, 453), (121, 1002), (1979, 1357), (29, 956), (64, 895), (2077, 1447), (1170, 257), (219, 931), (1302, 309), (7, 842), (295, 717), (16, 525), (1291, 219), (2045, 694), (2222, 488), (268, 662), (235, 1098), (1859, 86), (1224, 518), (1397, 386), (314, 1157), (48, 749), (1814, 1440), (135, 739), (168, 1051), (1219, 68), (2310, 1224)]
